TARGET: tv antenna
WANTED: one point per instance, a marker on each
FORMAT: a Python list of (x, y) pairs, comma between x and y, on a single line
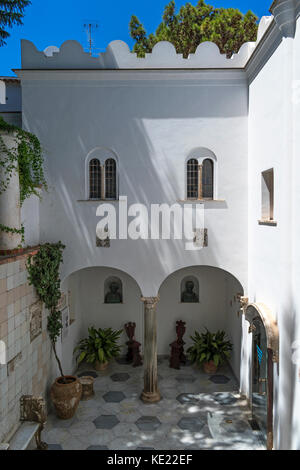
[(90, 28)]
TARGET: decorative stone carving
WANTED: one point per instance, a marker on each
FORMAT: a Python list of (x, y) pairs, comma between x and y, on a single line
[(201, 238), (103, 243), (244, 301), (35, 320), (33, 409)]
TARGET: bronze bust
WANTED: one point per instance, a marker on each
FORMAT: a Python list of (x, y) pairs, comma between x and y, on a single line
[(113, 296), (189, 296)]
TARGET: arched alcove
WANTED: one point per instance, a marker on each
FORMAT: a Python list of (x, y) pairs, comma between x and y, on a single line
[(217, 308)]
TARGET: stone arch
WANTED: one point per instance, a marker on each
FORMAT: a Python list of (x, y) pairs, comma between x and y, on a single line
[(270, 325), (259, 311)]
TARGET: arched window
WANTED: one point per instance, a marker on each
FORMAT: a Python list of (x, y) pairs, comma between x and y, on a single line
[(110, 179), (192, 179), (95, 179), (208, 179)]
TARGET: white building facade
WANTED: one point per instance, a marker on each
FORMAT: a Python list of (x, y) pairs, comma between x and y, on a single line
[(159, 119)]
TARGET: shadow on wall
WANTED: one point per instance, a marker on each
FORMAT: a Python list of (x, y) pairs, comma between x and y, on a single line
[(145, 127)]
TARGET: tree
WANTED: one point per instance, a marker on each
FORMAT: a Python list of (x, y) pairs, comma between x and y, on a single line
[(11, 13), (227, 27)]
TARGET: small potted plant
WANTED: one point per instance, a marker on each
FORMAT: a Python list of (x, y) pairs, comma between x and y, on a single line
[(99, 348), (210, 349)]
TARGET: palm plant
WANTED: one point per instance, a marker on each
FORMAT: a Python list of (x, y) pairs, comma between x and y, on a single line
[(100, 346), (210, 347)]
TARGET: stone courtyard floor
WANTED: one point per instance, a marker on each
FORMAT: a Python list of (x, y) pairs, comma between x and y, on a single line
[(197, 412)]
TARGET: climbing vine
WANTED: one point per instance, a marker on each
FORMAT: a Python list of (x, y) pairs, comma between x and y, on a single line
[(43, 273), (26, 158), (21, 231)]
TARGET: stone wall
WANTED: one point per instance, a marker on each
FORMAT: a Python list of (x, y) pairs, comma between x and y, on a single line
[(23, 323)]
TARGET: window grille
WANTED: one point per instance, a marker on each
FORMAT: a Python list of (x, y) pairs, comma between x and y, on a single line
[(192, 179), (95, 179), (208, 179), (110, 179)]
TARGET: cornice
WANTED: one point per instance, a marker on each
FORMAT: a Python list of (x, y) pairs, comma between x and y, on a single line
[(134, 77)]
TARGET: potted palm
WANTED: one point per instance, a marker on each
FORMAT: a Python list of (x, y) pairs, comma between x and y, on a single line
[(99, 348), (210, 350)]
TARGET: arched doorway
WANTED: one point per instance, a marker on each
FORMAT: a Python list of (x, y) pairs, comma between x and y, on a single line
[(265, 352)]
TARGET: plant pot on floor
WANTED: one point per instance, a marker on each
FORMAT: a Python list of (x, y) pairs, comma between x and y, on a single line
[(66, 396), (210, 367), (100, 366)]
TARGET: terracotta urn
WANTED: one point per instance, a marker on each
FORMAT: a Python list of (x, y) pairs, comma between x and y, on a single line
[(210, 367), (66, 396), (100, 366)]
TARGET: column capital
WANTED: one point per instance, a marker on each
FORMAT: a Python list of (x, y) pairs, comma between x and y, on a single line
[(150, 302)]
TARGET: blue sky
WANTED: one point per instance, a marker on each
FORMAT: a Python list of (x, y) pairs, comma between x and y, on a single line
[(51, 22)]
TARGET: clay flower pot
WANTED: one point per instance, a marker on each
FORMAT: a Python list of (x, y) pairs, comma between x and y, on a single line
[(210, 367), (66, 396), (100, 366)]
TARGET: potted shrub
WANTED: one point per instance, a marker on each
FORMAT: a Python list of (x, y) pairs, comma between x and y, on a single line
[(210, 349), (43, 271), (99, 348)]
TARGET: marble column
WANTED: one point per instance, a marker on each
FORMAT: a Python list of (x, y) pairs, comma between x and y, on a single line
[(10, 209), (150, 393)]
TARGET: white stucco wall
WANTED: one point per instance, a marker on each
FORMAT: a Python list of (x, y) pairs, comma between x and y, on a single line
[(272, 251), (152, 126)]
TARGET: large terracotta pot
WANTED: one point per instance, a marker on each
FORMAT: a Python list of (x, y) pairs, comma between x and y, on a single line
[(66, 396), (210, 367), (100, 366)]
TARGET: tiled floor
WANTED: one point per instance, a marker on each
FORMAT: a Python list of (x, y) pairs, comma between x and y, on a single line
[(197, 412)]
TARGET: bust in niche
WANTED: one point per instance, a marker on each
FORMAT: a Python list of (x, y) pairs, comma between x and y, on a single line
[(188, 295), (113, 296)]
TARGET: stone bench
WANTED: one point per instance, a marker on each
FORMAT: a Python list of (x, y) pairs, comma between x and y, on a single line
[(24, 436), (33, 419)]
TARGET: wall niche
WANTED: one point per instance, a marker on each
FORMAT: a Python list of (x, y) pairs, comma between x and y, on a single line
[(189, 292), (113, 291)]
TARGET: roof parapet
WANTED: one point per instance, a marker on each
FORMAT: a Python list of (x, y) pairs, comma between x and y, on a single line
[(71, 55)]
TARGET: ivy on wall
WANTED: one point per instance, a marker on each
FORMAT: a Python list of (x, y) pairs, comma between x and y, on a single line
[(43, 274), (26, 158)]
